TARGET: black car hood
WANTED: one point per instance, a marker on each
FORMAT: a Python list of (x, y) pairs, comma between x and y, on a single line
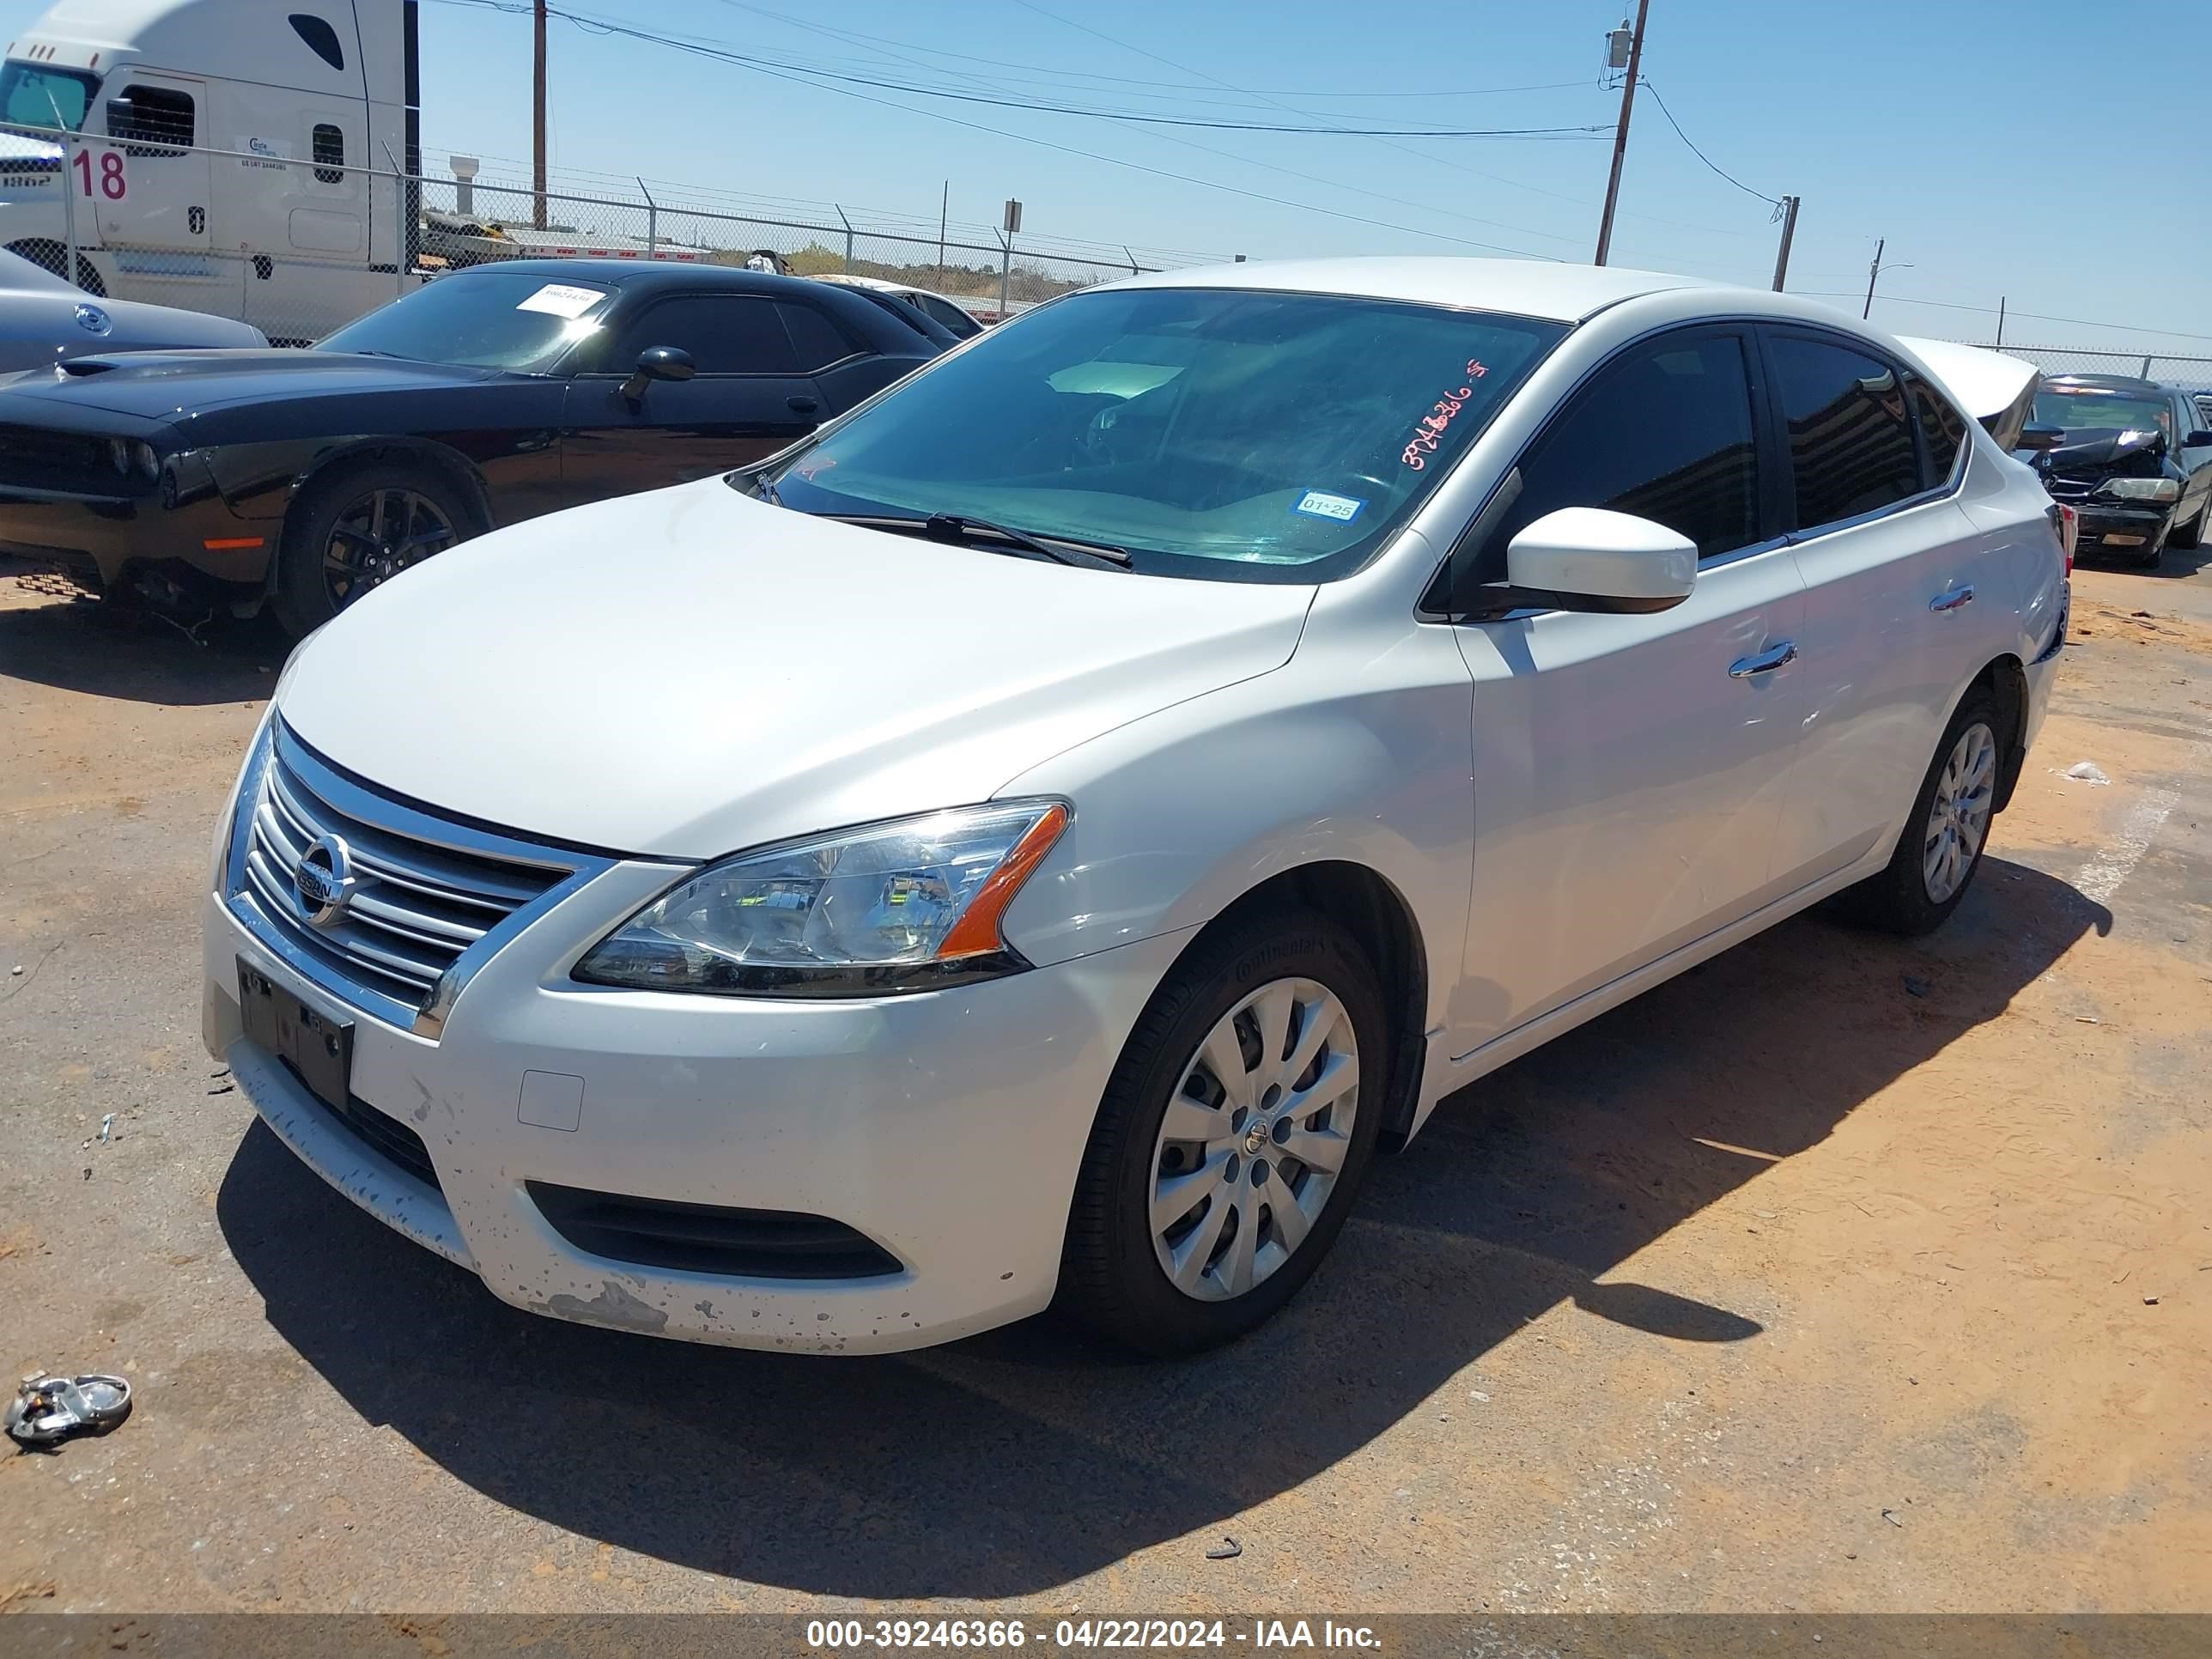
[(159, 384), (2093, 449)]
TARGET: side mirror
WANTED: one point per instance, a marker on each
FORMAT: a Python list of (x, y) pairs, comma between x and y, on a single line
[(2040, 436), (2197, 439), (1588, 558), (656, 363)]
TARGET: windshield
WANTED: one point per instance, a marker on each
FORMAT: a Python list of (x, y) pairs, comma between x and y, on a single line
[(1221, 433), (2074, 411), (39, 94), (480, 319)]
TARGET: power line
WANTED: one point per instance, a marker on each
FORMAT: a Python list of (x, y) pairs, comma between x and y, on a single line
[(801, 79), (1700, 153), (853, 36), (608, 26)]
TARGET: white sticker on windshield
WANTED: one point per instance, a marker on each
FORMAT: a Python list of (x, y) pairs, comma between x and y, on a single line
[(1320, 504), (563, 299)]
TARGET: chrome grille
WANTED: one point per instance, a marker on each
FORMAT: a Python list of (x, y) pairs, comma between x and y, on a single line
[(418, 904), (2069, 489)]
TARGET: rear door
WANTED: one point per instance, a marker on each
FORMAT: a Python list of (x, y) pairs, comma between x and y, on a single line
[(1629, 769), (749, 398), (1890, 564)]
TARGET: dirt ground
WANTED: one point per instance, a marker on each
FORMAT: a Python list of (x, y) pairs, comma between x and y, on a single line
[(1841, 1274)]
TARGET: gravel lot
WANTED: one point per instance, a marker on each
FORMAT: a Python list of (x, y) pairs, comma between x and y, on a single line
[(1841, 1274)]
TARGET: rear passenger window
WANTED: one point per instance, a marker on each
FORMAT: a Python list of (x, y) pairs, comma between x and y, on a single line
[(1851, 443), (726, 334), (818, 341), (1664, 432), (1943, 429)]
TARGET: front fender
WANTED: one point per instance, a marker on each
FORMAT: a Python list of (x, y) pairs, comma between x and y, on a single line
[(260, 480), (1339, 756)]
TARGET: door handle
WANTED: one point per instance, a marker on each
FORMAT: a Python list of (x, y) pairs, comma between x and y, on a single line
[(803, 405), (1952, 600), (1766, 662)]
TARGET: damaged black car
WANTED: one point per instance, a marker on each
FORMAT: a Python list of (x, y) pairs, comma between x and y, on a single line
[(2135, 462)]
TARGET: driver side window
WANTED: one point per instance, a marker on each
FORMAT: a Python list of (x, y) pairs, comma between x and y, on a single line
[(1664, 431)]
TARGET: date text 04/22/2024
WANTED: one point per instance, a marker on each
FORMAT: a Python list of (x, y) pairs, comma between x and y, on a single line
[(1263, 1635)]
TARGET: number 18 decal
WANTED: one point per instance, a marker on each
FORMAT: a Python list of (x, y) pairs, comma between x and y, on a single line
[(113, 184)]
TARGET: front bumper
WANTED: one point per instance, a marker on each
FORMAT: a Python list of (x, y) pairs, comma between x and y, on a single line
[(2102, 520), (184, 527), (946, 1128)]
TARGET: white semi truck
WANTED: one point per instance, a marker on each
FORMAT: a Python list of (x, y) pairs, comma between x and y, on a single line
[(249, 158)]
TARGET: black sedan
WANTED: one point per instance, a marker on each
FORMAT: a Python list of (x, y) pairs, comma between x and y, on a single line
[(490, 395)]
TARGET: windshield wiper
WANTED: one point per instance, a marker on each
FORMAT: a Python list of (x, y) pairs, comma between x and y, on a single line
[(962, 527)]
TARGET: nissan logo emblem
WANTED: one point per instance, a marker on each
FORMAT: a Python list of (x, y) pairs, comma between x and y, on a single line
[(323, 881)]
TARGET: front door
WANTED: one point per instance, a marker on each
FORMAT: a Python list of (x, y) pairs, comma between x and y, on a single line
[(1629, 770), (747, 400), (150, 191)]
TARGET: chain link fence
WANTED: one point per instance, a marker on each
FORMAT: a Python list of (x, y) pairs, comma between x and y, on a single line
[(2191, 374), (298, 246)]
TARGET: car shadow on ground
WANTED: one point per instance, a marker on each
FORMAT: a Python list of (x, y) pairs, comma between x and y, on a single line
[(1017, 1461), (129, 652)]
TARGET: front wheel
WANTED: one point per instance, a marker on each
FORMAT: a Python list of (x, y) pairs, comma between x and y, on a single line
[(1942, 846), (1233, 1139), (2186, 539), (357, 527)]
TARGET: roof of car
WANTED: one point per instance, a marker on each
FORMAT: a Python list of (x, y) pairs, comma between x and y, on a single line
[(2104, 382), (1527, 288), (648, 273)]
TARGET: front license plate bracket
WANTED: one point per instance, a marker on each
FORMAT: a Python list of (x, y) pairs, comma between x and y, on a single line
[(318, 1049)]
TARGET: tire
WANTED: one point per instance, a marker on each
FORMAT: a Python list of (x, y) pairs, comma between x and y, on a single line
[(2186, 540), (1299, 970), (2154, 555), (334, 517), (1908, 897)]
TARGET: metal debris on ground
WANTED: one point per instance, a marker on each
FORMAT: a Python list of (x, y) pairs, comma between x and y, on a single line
[(2085, 772), (2150, 1302), (1891, 1516), (1229, 1551), (47, 1409), (107, 1128)]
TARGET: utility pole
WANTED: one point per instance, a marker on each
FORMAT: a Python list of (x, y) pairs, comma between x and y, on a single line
[(1620, 135), (2001, 311), (1873, 272), (538, 118), (1789, 231), (944, 206)]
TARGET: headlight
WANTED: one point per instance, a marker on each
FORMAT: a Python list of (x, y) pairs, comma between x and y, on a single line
[(906, 906), (2141, 489)]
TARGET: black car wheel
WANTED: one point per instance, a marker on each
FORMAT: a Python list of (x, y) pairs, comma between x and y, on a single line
[(2154, 551), (1233, 1137), (2186, 538), (358, 527)]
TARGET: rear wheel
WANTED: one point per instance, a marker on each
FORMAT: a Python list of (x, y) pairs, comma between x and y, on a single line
[(357, 528), (1942, 846), (1233, 1139)]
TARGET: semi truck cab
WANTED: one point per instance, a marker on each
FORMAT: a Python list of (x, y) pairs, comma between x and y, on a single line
[(241, 157)]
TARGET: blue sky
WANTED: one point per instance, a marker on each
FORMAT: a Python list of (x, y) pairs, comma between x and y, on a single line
[(1999, 149)]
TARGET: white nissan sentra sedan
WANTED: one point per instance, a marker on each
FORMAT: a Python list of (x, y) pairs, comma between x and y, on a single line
[(1043, 834)]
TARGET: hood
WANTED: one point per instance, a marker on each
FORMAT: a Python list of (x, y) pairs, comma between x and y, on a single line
[(689, 672), (2091, 449), (156, 384)]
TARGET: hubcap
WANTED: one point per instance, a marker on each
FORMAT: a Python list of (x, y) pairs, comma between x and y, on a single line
[(379, 536), (1255, 1139), (1958, 816)]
